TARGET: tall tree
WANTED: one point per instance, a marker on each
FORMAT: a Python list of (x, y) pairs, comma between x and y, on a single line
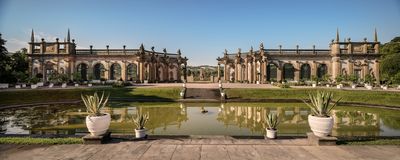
[(5, 67), (390, 65)]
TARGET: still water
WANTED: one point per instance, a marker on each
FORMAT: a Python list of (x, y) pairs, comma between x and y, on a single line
[(187, 119)]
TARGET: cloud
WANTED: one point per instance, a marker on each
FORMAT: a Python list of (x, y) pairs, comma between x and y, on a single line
[(15, 44)]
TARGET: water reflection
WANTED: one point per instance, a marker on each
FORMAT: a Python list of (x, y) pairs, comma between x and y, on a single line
[(190, 118)]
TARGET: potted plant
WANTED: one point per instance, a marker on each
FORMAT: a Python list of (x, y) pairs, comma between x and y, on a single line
[(96, 122), (272, 123), (140, 121), (353, 79), (314, 81), (33, 81), (320, 121)]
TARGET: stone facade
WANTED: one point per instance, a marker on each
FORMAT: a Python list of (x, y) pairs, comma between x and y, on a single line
[(139, 65), (263, 65)]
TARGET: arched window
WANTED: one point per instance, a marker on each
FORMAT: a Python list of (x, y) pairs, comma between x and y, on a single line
[(131, 72), (115, 70), (82, 70), (271, 72), (288, 72), (305, 72), (99, 71), (322, 70)]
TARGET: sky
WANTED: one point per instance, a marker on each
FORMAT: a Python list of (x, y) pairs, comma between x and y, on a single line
[(202, 29)]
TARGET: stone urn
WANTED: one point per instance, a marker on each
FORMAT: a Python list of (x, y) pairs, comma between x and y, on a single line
[(321, 126), (98, 125), (271, 133), (140, 133)]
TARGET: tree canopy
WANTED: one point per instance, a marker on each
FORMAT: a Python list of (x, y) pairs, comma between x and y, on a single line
[(390, 65)]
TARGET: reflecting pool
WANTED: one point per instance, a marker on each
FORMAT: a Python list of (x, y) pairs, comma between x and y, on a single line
[(187, 119)]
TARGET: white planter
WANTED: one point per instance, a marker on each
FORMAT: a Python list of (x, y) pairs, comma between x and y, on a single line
[(23, 85), (17, 86), (98, 125), (314, 85), (184, 85), (51, 85), (40, 84), (222, 94), (76, 85), (258, 82), (321, 126), (271, 134), (353, 86), (4, 85), (34, 86), (328, 85), (64, 85), (339, 86), (146, 81), (385, 88), (272, 83), (368, 87), (220, 85), (140, 133), (89, 85), (182, 94)]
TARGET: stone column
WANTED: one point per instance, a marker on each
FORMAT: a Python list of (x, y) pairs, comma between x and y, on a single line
[(219, 72), (141, 72), (297, 71), (335, 67), (350, 67), (376, 71), (314, 68), (90, 71), (123, 71), (236, 72), (262, 70), (246, 71), (107, 71), (225, 72), (72, 68), (279, 73)]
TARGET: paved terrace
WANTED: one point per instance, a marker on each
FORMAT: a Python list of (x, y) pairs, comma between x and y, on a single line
[(218, 148)]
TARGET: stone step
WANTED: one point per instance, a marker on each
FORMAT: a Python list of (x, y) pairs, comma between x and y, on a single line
[(202, 93)]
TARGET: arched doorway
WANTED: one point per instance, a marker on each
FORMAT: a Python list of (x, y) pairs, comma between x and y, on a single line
[(115, 71), (322, 70), (82, 71), (49, 67), (288, 72), (99, 71), (305, 72), (271, 72), (131, 72)]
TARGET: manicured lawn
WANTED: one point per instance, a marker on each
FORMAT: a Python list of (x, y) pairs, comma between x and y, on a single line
[(29, 140), (371, 97), (53, 95)]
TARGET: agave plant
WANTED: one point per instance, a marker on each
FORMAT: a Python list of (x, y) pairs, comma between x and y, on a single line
[(320, 103), (94, 103), (272, 120), (140, 120)]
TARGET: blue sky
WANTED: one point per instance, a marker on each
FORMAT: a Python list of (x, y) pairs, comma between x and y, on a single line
[(202, 29)]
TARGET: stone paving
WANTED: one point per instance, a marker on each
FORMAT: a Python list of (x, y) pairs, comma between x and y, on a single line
[(200, 148)]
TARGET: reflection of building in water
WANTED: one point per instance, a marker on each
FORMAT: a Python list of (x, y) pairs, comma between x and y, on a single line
[(159, 116), (293, 119), (351, 123)]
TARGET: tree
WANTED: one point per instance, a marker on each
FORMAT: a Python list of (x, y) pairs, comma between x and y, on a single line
[(4, 62), (390, 65)]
